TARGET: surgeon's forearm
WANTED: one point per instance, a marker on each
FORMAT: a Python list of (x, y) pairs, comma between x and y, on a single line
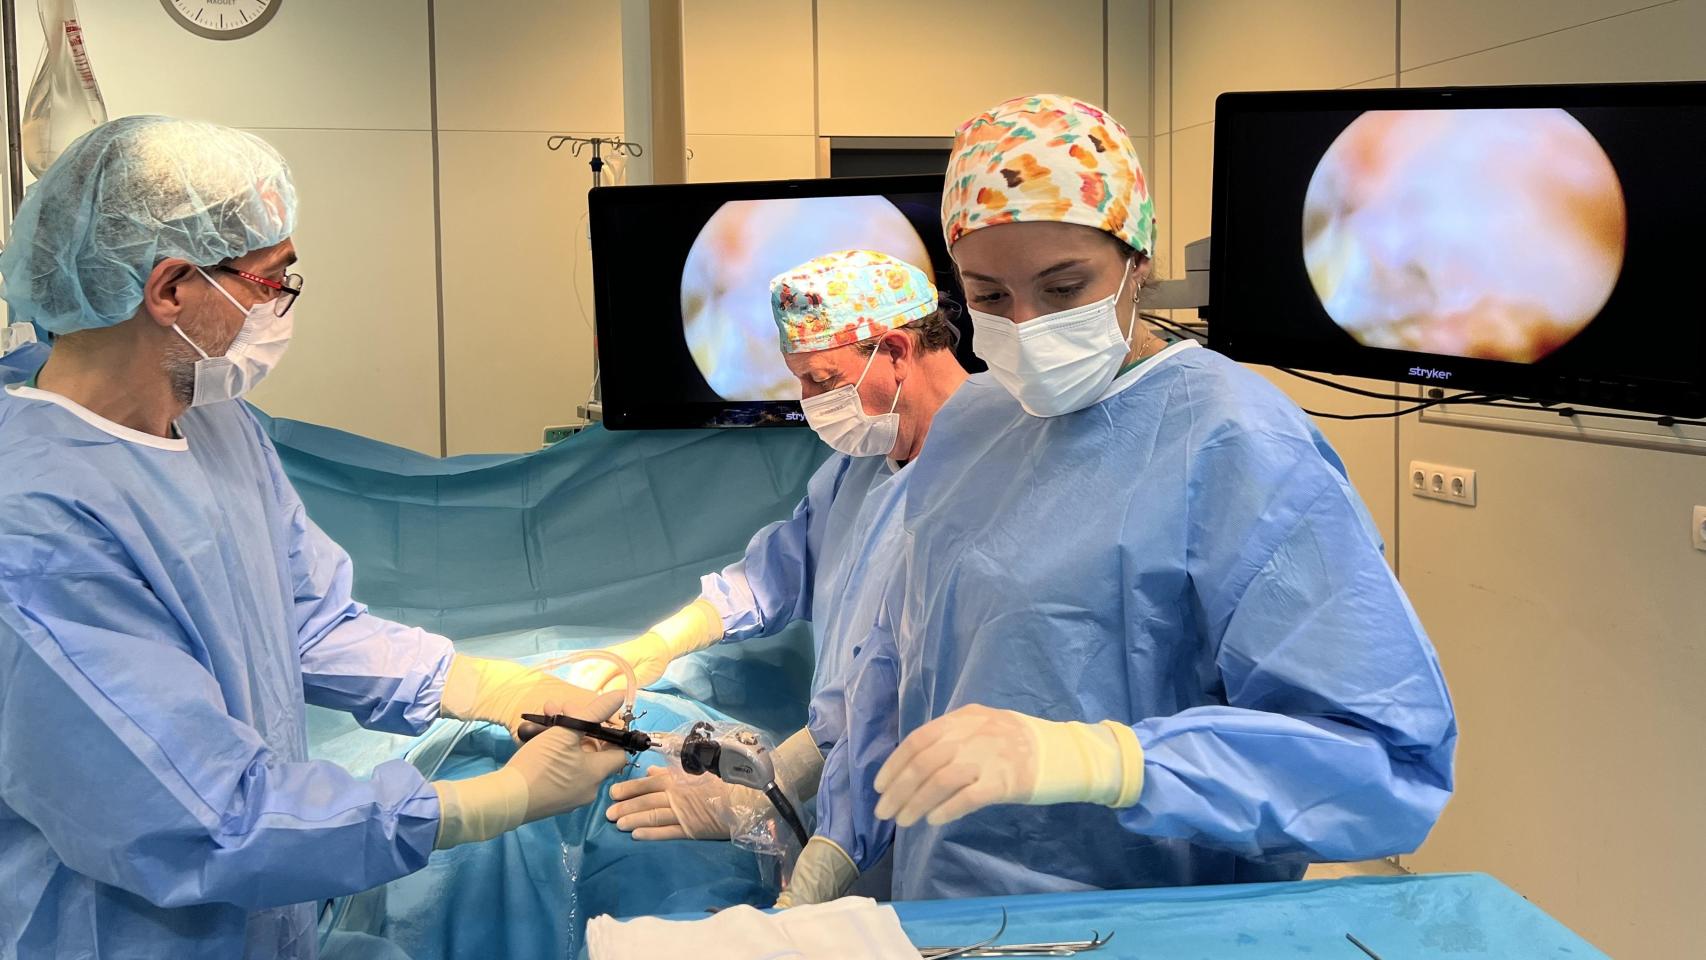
[(1100, 763), (799, 766), (389, 676), (290, 833), (846, 808), (744, 614), (1269, 785), (692, 628), (320, 832), (770, 586), (1338, 738)]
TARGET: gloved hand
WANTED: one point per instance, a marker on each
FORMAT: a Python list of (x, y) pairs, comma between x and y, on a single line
[(694, 627), (978, 756), (823, 873), (665, 806), (552, 773), (662, 806), (500, 691)]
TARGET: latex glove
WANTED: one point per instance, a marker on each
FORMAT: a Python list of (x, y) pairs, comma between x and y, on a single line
[(823, 873), (553, 773), (694, 627), (663, 806), (500, 691), (978, 756)]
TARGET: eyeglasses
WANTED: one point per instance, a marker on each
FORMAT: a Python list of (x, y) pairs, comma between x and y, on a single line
[(288, 290)]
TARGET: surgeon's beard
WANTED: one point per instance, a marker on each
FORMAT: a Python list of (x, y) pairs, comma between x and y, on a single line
[(180, 358), (179, 364)]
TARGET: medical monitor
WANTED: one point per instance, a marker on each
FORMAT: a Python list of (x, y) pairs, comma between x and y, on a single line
[(1539, 242), (681, 280)]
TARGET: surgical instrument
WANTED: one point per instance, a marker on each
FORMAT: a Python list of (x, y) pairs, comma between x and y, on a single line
[(1362, 946), (989, 948), (738, 757), (632, 741)]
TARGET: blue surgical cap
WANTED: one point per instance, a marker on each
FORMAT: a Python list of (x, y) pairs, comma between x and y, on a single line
[(129, 194)]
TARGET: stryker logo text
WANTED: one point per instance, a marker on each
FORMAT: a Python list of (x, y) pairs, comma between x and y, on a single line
[(1427, 373)]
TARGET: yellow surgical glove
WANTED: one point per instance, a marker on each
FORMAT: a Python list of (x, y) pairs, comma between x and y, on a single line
[(663, 806), (694, 627), (550, 774), (823, 873), (979, 756), (500, 691)]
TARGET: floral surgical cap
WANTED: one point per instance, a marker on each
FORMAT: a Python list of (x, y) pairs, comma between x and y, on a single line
[(1047, 158), (847, 297)]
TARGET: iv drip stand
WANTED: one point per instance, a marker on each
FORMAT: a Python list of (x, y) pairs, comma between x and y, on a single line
[(14, 126), (593, 409), (617, 146)]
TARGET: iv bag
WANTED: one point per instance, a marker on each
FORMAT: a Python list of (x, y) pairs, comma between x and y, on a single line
[(65, 101)]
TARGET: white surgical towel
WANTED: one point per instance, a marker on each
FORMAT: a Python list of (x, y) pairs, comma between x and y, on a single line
[(852, 927)]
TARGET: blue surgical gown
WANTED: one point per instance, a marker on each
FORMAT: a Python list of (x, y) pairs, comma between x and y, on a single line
[(166, 609), (800, 569), (864, 630), (1187, 557)]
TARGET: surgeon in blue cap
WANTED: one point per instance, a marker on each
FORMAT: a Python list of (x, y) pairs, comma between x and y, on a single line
[(1139, 630), (167, 608), (872, 346)]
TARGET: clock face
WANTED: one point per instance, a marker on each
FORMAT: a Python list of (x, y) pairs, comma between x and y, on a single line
[(221, 19)]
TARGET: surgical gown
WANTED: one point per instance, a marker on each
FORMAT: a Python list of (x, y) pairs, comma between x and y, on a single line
[(166, 608), (864, 630), (800, 569), (1187, 557)]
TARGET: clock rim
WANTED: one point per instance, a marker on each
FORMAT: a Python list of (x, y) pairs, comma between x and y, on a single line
[(209, 33)]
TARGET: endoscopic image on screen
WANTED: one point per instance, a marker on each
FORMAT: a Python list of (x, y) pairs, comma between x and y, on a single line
[(725, 283), (1497, 234)]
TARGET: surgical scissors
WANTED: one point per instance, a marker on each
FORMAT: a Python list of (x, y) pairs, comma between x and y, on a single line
[(989, 948), (1062, 948)]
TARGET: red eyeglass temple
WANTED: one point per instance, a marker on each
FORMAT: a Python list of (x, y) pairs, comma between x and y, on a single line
[(260, 280)]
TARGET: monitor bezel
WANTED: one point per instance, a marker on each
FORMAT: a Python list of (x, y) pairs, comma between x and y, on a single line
[(621, 407), (1496, 377)]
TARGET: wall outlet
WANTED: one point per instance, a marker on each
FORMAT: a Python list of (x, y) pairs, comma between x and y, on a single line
[(1439, 482), (1700, 528), (559, 434)]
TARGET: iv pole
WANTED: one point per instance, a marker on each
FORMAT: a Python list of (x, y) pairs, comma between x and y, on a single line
[(593, 409), (14, 129), (619, 147), (11, 335)]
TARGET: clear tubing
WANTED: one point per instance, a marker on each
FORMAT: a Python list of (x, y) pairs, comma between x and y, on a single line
[(627, 669), (547, 666), (462, 730)]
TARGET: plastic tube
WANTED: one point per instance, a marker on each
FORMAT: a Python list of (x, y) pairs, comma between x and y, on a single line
[(455, 736), (627, 669), (546, 666), (414, 755)]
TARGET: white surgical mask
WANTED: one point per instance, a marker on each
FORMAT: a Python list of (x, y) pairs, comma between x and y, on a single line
[(256, 351), (840, 419), (1058, 363)]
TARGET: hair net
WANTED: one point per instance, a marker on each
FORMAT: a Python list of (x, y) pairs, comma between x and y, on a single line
[(1047, 158), (129, 194), (847, 297)]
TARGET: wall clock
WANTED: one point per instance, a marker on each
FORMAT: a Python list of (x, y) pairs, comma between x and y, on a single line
[(221, 19)]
